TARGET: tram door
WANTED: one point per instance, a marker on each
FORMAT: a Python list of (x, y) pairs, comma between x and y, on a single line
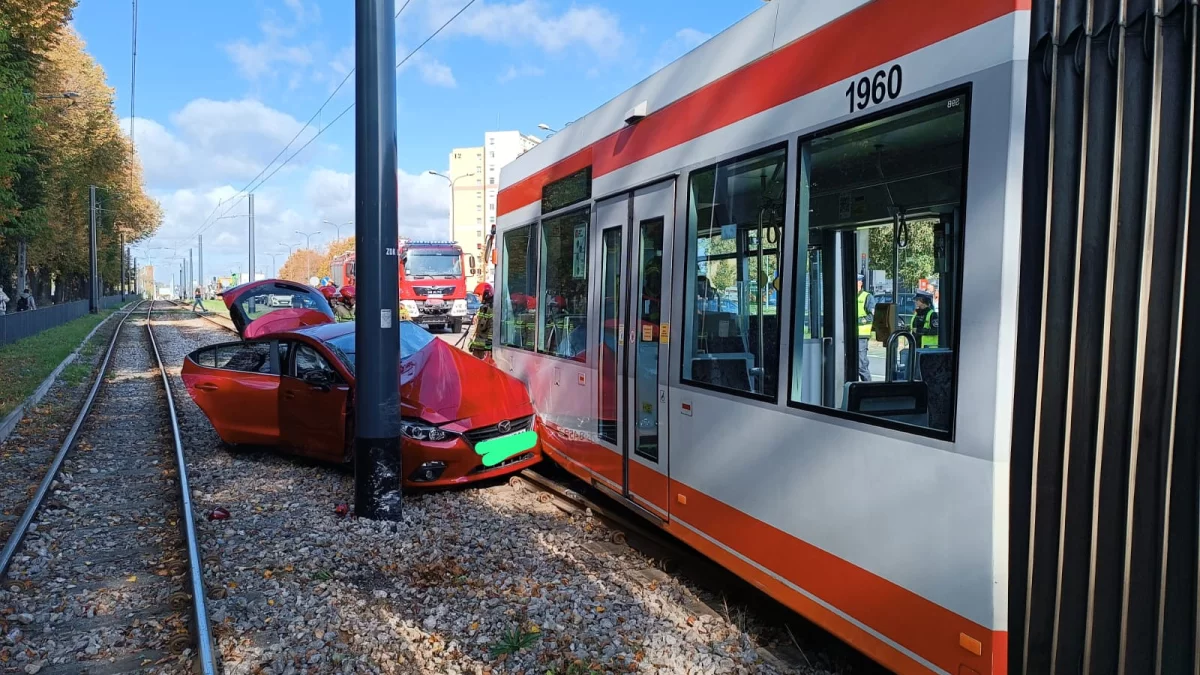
[(643, 337)]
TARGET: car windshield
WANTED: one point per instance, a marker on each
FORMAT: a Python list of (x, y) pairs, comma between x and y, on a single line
[(430, 265), (413, 339)]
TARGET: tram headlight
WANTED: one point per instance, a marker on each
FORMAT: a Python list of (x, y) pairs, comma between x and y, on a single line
[(423, 431)]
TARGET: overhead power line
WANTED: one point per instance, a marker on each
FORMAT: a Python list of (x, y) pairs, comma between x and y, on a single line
[(132, 101), (252, 185)]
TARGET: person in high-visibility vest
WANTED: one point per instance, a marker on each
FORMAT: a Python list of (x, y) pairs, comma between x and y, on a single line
[(481, 341), (925, 321), (865, 302)]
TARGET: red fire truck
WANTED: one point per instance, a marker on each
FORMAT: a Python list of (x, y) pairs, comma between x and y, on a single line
[(433, 281)]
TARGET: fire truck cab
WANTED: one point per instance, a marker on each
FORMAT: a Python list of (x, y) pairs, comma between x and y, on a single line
[(433, 281)]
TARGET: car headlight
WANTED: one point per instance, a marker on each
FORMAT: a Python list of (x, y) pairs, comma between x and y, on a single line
[(411, 306), (423, 431)]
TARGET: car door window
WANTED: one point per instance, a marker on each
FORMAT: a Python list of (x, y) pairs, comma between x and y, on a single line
[(284, 349), (308, 360), (249, 357)]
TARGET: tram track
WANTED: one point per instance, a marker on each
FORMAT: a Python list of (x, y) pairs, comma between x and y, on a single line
[(101, 574)]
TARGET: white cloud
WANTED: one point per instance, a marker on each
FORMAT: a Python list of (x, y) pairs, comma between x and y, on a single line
[(534, 22), (259, 59), (434, 72), (514, 72), (690, 38), (424, 202), (684, 41), (217, 141), (431, 70)]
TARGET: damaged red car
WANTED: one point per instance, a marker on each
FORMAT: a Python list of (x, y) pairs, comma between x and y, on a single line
[(290, 383)]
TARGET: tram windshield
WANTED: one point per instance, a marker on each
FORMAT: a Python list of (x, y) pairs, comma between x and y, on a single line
[(880, 208)]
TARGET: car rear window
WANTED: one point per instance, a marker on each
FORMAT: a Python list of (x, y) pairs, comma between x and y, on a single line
[(271, 298), (413, 338)]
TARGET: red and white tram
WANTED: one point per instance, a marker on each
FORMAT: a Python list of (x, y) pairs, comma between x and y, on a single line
[(768, 298)]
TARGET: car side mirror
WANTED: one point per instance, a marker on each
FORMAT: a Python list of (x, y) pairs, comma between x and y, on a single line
[(319, 379)]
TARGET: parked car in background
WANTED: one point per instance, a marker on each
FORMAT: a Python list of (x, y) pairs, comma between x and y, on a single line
[(472, 308)]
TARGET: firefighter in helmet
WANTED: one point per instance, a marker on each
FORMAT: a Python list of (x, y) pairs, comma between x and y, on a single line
[(481, 341)]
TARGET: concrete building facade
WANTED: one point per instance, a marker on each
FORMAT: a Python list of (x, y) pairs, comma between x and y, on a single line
[(475, 173)]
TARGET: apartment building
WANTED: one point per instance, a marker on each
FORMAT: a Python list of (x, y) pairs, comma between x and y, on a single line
[(475, 174)]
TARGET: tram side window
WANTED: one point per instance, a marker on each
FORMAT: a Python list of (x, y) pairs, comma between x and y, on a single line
[(880, 231), (518, 311), (731, 318), (565, 285)]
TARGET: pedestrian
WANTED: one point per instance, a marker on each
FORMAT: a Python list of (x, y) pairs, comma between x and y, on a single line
[(866, 317), (925, 321), (26, 302), (481, 342), (198, 300), (3, 301)]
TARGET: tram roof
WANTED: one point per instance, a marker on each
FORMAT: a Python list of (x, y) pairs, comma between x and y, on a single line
[(774, 25)]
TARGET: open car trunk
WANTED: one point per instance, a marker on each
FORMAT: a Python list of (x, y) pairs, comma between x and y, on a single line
[(275, 305)]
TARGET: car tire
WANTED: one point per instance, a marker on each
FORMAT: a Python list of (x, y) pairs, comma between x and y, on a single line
[(456, 326)]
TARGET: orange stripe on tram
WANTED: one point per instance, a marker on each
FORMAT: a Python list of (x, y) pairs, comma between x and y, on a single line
[(920, 625)]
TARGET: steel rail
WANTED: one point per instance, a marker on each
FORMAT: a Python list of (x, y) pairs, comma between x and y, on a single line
[(18, 533), (205, 661)]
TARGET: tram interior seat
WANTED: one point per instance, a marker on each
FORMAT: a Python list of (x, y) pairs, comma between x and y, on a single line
[(722, 336), (905, 402), (935, 367)]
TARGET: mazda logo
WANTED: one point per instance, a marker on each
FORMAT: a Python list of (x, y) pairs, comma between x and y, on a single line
[(504, 426)]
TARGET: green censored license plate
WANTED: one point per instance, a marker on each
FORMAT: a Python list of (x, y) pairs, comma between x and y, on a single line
[(497, 450)]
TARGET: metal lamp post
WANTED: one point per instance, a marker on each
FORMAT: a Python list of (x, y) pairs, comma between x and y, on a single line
[(377, 463), (452, 181), (308, 247), (338, 228)]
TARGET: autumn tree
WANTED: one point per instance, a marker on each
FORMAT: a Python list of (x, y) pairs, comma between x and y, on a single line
[(52, 147), (28, 30), (305, 263)]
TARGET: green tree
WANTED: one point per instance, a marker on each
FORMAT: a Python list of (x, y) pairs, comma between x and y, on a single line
[(916, 259)]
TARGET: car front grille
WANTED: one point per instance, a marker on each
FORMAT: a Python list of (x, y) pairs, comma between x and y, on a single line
[(485, 433), (508, 462), (430, 290)]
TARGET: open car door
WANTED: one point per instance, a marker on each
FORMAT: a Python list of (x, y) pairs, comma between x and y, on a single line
[(236, 384), (275, 305)]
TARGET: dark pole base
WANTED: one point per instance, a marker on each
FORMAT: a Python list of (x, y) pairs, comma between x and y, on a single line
[(377, 478)]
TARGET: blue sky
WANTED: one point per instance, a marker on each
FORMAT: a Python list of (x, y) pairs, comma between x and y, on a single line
[(222, 86)]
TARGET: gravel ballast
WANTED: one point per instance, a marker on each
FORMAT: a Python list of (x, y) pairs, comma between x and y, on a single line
[(478, 580), (95, 586)]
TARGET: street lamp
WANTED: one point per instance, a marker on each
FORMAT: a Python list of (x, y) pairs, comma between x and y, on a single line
[(308, 259), (338, 227), (546, 127), (452, 181), (307, 237)]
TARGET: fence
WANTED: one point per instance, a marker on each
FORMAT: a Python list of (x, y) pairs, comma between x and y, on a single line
[(20, 325)]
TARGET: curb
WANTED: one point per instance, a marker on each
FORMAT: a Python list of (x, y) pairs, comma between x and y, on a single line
[(10, 422)]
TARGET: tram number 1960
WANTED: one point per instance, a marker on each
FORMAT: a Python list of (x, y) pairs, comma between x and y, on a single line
[(884, 85)]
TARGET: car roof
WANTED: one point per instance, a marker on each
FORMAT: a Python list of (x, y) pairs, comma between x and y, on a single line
[(327, 331)]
